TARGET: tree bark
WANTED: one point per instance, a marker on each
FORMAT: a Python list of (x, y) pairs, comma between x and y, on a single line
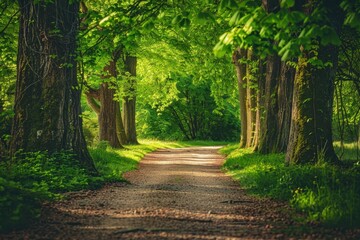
[(284, 101), (270, 128), (311, 126), (129, 101), (47, 99), (240, 67), (250, 100), (107, 117), (120, 126), (275, 127), (107, 109), (260, 103)]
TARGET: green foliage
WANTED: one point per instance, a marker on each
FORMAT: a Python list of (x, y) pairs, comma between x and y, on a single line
[(8, 49), (193, 114), (250, 26), (31, 178), (18, 205), (325, 193), (180, 79)]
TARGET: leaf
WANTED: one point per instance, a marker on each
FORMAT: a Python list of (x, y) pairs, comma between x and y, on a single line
[(203, 17), (176, 19), (184, 22), (287, 3), (235, 18), (329, 36)]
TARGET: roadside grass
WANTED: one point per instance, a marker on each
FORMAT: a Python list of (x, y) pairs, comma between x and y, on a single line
[(326, 194), (30, 179)]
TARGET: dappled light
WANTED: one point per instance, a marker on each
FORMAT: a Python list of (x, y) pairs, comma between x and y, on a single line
[(181, 119)]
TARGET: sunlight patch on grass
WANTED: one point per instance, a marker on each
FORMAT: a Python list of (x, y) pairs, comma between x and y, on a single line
[(325, 193)]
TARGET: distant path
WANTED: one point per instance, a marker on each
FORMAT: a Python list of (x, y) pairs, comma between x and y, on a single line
[(175, 194)]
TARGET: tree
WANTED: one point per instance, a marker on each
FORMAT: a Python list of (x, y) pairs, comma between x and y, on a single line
[(47, 100), (275, 127), (129, 100), (305, 30), (238, 58), (113, 31), (311, 126), (102, 101)]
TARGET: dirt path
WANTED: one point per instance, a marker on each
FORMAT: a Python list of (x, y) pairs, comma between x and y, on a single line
[(175, 194)]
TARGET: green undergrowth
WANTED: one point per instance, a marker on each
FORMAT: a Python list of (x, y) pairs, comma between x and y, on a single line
[(326, 194), (30, 179)]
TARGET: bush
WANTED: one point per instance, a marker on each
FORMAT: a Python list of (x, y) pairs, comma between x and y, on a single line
[(17, 205), (31, 178)]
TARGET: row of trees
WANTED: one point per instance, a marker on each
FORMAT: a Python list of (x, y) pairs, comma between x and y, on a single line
[(286, 60), (285, 55)]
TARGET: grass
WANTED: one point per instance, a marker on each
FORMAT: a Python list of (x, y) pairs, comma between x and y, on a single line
[(32, 178), (349, 152), (325, 193)]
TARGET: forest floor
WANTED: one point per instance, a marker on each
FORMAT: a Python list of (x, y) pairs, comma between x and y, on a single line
[(175, 194)]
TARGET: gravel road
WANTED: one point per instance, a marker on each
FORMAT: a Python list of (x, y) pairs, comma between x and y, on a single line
[(175, 194)]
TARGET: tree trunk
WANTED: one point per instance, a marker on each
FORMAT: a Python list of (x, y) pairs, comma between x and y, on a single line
[(311, 128), (311, 125), (284, 101), (250, 100), (47, 99), (129, 101), (238, 55), (270, 128), (259, 103), (275, 128), (108, 108), (107, 117), (120, 127)]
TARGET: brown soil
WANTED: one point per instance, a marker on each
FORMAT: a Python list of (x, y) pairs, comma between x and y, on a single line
[(175, 194)]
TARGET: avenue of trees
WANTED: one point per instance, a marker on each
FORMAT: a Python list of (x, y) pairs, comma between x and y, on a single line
[(279, 76)]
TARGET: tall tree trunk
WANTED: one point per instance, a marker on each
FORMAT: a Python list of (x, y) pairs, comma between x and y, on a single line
[(311, 126), (259, 103), (129, 101), (270, 128), (108, 108), (47, 99), (275, 128), (284, 101), (238, 55), (107, 117), (250, 100), (120, 126)]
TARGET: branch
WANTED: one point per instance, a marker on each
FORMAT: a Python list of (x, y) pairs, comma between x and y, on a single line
[(9, 22), (92, 103)]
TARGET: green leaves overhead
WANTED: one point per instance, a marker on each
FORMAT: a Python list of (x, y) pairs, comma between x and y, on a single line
[(352, 11), (282, 31)]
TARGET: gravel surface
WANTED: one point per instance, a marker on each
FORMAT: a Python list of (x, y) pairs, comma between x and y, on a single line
[(175, 194)]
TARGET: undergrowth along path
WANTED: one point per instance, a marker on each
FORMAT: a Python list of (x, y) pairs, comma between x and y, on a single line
[(175, 194)]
